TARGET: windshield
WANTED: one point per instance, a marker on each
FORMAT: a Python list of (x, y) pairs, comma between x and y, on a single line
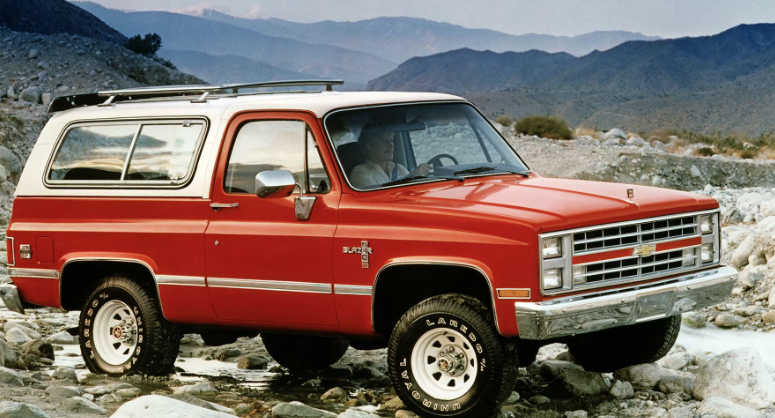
[(404, 144)]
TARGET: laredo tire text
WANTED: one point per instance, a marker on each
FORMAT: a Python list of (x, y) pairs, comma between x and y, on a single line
[(122, 331), (446, 359)]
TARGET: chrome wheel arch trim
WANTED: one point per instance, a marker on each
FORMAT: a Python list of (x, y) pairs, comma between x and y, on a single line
[(118, 260), (34, 273), (434, 263)]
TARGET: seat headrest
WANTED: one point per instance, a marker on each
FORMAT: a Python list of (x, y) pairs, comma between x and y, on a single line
[(350, 155)]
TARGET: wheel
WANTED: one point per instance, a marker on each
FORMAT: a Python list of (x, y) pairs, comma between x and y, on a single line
[(216, 338), (446, 359), (304, 353), (436, 160), (122, 331), (615, 348)]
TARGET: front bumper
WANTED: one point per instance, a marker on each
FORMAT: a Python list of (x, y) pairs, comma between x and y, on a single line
[(10, 296), (598, 311)]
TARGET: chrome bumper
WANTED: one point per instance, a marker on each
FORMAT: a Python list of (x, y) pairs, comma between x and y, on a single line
[(627, 306), (10, 296)]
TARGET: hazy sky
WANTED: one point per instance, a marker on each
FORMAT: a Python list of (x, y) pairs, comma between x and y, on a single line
[(666, 18)]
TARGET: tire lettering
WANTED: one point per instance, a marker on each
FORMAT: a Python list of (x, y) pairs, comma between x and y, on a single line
[(453, 323), (403, 362), (140, 339), (479, 348), (103, 296), (472, 337), (137, 352), (91, 354), (408, 385), (428, 321), (463, 328), (416, 395), (90, 312), (442, 321), (137, 311), (88, 344), (455, 406), (139, 321), (444, 408), (86, 333), (134, 360), (95, 303), (482, 365), (435, 406), (426, 403), (87, 322), (128, 366), (405, 375)]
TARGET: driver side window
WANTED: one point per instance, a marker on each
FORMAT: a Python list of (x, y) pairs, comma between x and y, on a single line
[(269, 145)]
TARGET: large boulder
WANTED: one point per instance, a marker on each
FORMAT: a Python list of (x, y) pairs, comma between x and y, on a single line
[(164, 407), (723, 408), (614, 133), (30, 94), (10, 377), (299, 410), (739, 375), (574, 378), (81, 406), (10, 409), (743, 251), (10, 161), (642, 376)]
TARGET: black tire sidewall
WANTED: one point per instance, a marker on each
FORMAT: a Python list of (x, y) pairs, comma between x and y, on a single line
[(86, 330), (409, 386)]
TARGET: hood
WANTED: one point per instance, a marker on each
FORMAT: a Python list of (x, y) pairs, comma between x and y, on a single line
[(557, 204)]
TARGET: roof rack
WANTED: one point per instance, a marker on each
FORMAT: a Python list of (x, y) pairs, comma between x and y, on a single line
[(62, 103)]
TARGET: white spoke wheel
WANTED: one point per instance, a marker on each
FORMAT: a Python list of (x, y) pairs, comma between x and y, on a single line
[(444, 363), (123, 331), (115, 332), (446, 359)]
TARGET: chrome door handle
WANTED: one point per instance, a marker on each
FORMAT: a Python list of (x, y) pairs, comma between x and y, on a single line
[(217, 206)]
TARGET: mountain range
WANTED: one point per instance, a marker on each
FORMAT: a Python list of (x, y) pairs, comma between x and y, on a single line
[(50, 17), (702, 84), (354, 51)]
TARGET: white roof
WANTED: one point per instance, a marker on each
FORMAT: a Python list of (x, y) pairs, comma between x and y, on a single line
[(317, 103)]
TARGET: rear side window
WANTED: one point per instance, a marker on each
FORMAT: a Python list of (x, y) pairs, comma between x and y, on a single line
[(157, 153)]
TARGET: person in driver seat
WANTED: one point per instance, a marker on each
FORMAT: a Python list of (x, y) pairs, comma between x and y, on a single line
[(377, 143)]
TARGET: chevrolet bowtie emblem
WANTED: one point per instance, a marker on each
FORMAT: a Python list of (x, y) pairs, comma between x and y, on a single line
[(644, 250), (364, 250)]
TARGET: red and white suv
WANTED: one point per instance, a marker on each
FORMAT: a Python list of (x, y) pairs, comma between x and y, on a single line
[(322, 219)]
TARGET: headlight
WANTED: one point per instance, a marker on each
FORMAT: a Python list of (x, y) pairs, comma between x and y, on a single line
[(552, 278), (552, 247), (706, 253), (687, 258), (706, 224), (578, 275)]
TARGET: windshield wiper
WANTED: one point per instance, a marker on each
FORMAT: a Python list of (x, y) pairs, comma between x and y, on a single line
[(483, 169), (411, 177)]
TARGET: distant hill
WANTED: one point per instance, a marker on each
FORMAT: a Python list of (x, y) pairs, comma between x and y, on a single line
[(401, 38), (55, 16), (188, 33), (706, 84), (225, 69)]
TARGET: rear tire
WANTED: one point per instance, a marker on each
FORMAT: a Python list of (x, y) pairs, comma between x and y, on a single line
[(304, 353), (446, 359), (123, 331), (612, 349)]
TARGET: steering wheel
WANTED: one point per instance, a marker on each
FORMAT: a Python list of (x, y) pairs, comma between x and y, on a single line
[(436, 161)]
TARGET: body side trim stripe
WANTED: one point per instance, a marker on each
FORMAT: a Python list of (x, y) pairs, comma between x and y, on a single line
[(347, 289), (164, 279), (34, 273), (219, 282)]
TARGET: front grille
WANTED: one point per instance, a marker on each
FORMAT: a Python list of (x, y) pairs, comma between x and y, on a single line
[(639, 233), (638, 266)]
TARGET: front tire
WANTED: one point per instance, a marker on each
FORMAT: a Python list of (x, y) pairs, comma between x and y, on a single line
[(446, 359), (123, 331), (612, 349)]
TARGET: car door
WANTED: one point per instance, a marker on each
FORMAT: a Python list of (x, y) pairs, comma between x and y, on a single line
[(264, 265)]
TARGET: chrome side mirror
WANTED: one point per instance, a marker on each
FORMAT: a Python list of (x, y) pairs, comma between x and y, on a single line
[(277, 183)]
